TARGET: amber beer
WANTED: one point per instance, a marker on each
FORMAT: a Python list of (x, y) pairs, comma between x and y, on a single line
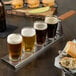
[(41, 29), (52, 22), (14, 46), (28, 39)]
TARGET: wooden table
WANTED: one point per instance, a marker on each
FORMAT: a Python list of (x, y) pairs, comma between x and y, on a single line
[(43, 65)]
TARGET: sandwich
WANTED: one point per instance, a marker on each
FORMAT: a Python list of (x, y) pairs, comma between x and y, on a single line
[(70, 49), (17, 3), (48, 2), (68, 62), (33, 3)]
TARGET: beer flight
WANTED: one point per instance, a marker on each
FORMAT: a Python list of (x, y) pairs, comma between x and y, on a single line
[(31, 37)]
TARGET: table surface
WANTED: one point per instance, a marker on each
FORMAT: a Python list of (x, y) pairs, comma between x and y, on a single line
[(44, 64)]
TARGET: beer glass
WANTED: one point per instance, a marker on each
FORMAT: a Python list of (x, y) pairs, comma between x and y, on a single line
[(29, 37), (41, 29), (14, 42), (52, 23)]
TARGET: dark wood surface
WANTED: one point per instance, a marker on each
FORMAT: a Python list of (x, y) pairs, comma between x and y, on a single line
[(44, 65)]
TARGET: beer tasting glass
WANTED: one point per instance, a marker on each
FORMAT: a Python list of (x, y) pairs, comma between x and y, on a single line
[(52, 23), (41, 29), (29, 39), (14, 42)]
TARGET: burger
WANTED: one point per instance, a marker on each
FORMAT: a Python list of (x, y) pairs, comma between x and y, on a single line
[(17, 4), (33, 3), (48, 2)]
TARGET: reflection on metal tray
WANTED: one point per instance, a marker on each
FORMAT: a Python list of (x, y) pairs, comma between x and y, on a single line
[(29, 57)]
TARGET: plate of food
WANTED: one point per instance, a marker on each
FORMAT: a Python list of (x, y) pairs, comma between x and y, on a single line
[(66, 60), (30, 7)]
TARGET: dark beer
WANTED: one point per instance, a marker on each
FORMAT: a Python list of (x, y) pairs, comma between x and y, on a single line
[(14, 46), (41, 36), (51, 30), (2, 17), (41, 29), (52, 23)]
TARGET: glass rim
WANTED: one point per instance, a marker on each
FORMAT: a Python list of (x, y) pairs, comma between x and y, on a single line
[(29, 30), (54, 16), (38, 23), (10, 39)]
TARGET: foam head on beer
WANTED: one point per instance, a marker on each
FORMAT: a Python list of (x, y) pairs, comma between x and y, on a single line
[(14, 39), (28, 32), (40, 25), (51, 20)]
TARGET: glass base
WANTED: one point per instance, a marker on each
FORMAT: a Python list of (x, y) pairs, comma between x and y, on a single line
[(33, 50), (50, 39), (14, 60), (63, 73)]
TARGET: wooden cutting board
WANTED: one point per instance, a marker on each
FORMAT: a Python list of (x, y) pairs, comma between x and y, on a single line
[(47, 13), (23, 12)]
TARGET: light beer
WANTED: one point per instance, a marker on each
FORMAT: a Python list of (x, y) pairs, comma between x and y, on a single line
[(41, 29), (52, 22), (14, 46), (28, 39)]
